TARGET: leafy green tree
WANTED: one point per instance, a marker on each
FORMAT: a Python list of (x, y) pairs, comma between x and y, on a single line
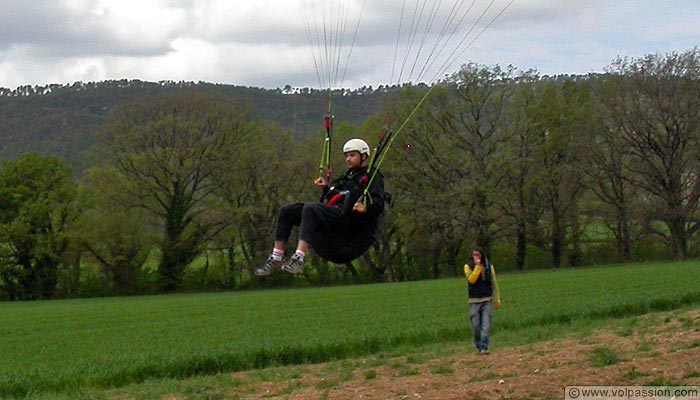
[(119, 249), (117, 238), (520, 197), (168, 151), (36, 210), (560, 113), (655, 104), (269, 169)]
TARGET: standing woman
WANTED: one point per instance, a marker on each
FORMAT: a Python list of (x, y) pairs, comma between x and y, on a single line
[(483, 297)]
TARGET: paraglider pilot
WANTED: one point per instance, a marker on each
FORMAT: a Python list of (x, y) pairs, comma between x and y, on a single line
[(341, 226)]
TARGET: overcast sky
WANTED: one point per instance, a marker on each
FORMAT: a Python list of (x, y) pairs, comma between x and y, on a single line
[(264, 43)]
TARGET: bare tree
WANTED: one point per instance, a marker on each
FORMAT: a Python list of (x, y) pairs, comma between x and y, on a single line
[(655, 103), (452, 170), (607, 160)]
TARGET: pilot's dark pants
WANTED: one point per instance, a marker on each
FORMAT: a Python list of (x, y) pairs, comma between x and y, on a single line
[(336, 237)]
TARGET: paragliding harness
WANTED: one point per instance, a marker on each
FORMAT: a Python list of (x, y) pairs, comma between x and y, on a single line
[(351, 235), (335, 198)]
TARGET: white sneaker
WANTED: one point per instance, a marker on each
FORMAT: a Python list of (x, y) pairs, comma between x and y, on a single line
[(271, 265), (294, 266)]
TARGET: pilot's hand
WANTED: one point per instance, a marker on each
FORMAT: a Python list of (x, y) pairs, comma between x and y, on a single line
[(320, 182), (359, 207)]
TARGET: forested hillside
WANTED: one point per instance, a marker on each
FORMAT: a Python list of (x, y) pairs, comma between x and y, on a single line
[(61, 120)]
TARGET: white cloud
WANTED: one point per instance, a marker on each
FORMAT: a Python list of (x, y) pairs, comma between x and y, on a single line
[(189, 57), (8, 72), (84, 69), (83, 27), (267, 21), (139, 21), (128, 25)]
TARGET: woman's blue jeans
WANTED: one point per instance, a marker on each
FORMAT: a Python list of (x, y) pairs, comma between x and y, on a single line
[(480, 315)]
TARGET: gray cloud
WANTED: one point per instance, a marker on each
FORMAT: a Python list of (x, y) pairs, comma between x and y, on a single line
[(83, 28)]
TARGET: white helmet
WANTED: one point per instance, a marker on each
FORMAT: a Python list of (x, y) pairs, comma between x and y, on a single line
[(358, 145)]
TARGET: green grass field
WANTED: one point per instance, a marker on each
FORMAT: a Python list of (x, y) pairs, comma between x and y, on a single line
[(67, 346)]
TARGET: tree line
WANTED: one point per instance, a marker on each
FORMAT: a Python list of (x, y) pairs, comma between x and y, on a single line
[(540, 171)]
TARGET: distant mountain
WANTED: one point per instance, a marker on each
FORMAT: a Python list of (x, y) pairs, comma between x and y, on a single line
[(62, 120)]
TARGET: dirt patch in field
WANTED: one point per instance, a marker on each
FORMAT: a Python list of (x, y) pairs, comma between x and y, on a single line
[(665, 351)]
